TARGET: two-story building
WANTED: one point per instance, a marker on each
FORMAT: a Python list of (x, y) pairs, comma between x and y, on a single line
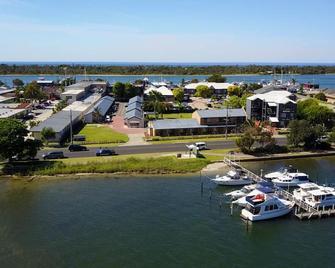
[(219, 89), (278, 107)]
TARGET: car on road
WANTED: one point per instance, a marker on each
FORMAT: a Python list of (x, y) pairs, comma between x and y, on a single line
[(53, 155), (77, 148), (201, 145), (105, 152)]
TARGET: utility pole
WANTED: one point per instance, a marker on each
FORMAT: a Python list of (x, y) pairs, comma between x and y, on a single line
[(227, 121), (71, 130)]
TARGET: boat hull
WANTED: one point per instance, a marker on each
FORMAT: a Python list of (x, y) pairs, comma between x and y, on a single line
[(232, 182), (267, 216)]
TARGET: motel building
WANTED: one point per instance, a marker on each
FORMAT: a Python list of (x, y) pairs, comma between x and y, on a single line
[(203, 122)]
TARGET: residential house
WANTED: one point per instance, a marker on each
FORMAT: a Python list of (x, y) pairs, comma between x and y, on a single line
[(278, 107)]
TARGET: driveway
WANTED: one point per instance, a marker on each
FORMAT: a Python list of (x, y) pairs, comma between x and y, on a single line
[(135, 135)]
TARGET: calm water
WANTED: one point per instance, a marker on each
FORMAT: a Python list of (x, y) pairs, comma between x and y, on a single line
[(325, 81), (152, 222)]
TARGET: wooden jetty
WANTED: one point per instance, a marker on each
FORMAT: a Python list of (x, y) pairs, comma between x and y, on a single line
[(302, 209)]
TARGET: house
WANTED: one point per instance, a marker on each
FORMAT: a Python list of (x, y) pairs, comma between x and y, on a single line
[(134, 116), (99, 111), (165, 91), (203, 122), (220, 89), (73, 95), (79, 90), (278, 107), (60, 123)]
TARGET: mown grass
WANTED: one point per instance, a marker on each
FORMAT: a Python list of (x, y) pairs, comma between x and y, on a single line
[(99, 134), (151, 165)]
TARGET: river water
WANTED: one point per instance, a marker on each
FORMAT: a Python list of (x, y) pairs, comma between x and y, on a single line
[(325, 81), (155, 221)]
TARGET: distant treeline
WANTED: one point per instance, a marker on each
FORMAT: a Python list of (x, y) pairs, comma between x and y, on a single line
[(164, 69)]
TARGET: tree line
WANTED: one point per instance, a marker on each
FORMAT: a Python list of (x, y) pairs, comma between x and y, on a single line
[(163, 69)]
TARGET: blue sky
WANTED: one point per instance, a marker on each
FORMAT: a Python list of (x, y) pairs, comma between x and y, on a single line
[(168, 31)]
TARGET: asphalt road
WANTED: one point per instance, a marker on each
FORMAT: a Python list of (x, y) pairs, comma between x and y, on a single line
[(150, 148)]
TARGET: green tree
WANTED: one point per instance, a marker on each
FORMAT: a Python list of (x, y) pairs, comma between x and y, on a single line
[(246, 141), (203, 91), (217, 78), (296, 134), (156, 100), (18, 82), (321, 96), (31, 148), (60, 106), (234, 91), (47, 134), (32, 91), (233, 102), (12, 140), (119, 91), (178, 94), (313, 112)]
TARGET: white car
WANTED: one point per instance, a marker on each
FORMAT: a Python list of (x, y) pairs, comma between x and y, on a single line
[(201, 145)]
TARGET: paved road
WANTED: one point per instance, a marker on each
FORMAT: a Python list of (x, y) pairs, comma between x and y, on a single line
[(154, 148)]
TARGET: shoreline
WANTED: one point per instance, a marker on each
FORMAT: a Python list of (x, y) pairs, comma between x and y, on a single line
[(181, 75), (210, 167)]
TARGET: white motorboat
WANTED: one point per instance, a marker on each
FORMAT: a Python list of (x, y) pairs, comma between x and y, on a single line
[(264, 187), (316, 196), (266, 206), (291, 179), (280, 172), (241, 192), (233, 178), (242, 201)]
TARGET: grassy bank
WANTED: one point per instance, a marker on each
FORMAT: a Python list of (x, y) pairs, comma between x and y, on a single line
[(129, 165), (100, 134)]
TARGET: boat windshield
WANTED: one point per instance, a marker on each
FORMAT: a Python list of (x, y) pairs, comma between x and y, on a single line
[(253, 210)]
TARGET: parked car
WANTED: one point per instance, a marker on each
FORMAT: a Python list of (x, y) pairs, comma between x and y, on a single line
[(201, 145), (108, 119), (77, 148), (53, 155), (105, 152)]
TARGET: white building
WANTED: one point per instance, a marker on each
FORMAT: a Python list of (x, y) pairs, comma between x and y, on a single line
[(220, 89)]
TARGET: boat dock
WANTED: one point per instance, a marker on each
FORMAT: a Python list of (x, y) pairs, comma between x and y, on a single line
[(302, 209)]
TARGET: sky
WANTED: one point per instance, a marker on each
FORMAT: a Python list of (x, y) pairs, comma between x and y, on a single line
[(286, 31)]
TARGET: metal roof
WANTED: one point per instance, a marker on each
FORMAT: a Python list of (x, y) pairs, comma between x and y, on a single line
[(134, 113), (58, 121), (134, 105), (135, 99), (176, 124), (275, 96), (103, 105), (5, 112), (221, 113)]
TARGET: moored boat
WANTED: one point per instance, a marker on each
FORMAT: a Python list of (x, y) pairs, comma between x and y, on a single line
[(291, 179), (266, 206), (233, 178)]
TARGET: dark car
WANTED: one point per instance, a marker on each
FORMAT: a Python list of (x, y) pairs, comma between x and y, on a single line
[(105, 152), (77, 148), (53, 155)]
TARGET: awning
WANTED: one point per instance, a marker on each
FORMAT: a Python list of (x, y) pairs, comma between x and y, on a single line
[(272, 104), (274, 119)]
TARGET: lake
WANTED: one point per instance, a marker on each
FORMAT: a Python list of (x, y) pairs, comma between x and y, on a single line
[(325, 81), (154, 221)]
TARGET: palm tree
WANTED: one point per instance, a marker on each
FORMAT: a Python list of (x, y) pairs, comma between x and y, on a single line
[(156, 100)]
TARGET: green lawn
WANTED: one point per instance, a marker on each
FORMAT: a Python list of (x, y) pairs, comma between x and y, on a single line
[(99, 134), (173, 116)]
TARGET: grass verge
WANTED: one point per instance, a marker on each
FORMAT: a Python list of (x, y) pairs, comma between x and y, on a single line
[(129, 165), (100, 134)]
